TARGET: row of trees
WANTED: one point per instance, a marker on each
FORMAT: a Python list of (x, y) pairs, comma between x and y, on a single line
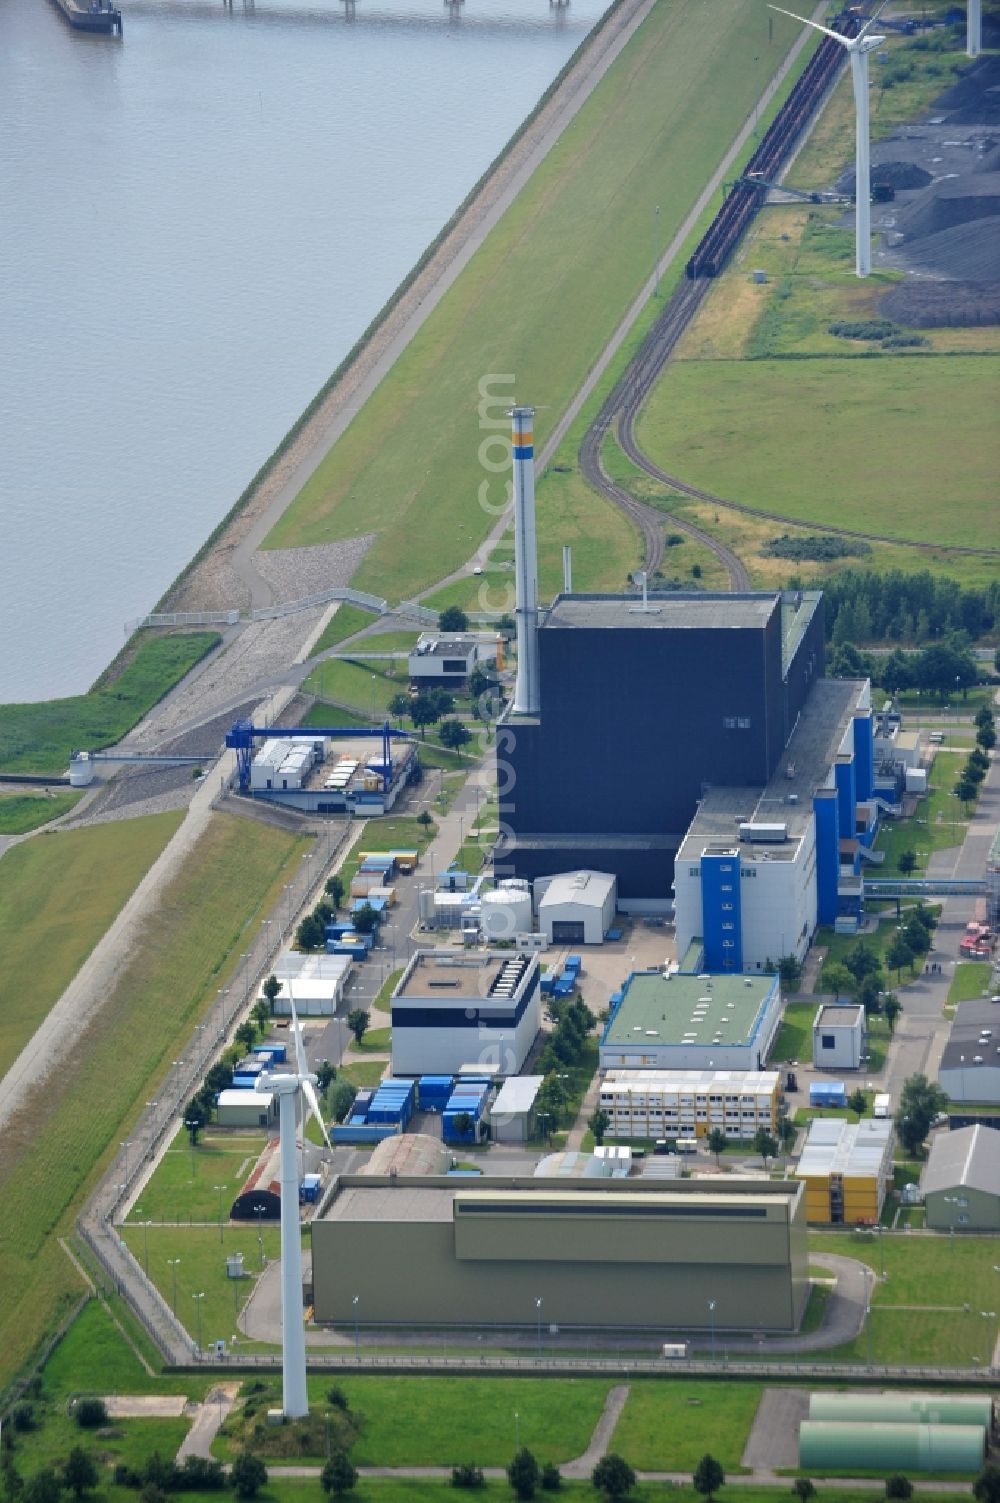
[(973, 772), (941, 670), (311, 933), (870, 605), (564, 1050)]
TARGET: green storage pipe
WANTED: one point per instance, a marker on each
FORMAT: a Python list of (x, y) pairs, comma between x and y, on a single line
[(826, 1447), (903, 1408)]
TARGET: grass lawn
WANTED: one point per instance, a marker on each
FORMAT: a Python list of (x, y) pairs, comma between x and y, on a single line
[(202, 1269), (58, 894), (919, 1313), (183, 1186), (377, 1040), (567, 257), (346, 620), (63, 1139), (21, 812), (363, 1073), (417, 1421), (322, 713), (40, 737), (668, 1426), (364, 687), (750, 430), (794, 1040), (971, 979)]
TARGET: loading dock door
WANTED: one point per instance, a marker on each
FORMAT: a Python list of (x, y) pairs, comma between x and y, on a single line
[(565, 932)]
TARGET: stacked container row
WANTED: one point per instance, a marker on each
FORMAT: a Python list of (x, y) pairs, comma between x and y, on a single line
[(433, 1092), (467, 1099), (394, 1101)]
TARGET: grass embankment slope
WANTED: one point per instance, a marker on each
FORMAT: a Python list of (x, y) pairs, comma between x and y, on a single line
[(54, 1149), (538, 301), (58, 894), (41, 737), (23, 812), (761, 394)]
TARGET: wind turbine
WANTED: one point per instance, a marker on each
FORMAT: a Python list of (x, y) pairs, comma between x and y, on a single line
[(857, 49), (287, 1087)]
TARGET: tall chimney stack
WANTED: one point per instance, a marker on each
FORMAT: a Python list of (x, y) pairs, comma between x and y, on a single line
[(526, 695)]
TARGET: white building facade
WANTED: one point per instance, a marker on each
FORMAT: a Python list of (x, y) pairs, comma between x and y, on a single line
[(454, 1008)]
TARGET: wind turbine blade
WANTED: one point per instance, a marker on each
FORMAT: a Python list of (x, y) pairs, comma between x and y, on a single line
[(309, 1092), (300, 1053), (872, 19), (814, 24)]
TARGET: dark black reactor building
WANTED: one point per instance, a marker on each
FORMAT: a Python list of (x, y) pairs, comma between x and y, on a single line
[(641, 711)]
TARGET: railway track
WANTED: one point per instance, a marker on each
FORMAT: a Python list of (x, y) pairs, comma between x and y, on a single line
[(619, 413)]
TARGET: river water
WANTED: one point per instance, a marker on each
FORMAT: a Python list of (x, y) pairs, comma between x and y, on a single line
[(198, 222)]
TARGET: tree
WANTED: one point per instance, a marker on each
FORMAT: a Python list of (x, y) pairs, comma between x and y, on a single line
[(13, 1482), (986, 1488), (453, 618), (898, 1486), (425, 818), (248, 1475), (91, 1414), (79, 1472), (861, 961), (613, 1476), (599, 1122), (790, 971), (708, 1477), (271, 988), (340, 1099), (468, 1476), (764, 1144), (964, 790), (899, 955), (325, 1075), (246, 1034), (919, 1103), (454, 734), (916, 937), (195, 1117), (357, 1022), (524, 1474), (717, 1143), (339, 1476), (837, 979), (803, 1489), (787, 1132), (869, 993), (334, 889), (43, 1487), (311, 934), (365, 919), (892, 1007), (464, 1124), (424, 711), (907, 863), (986, 737), (857, 1101), (551, 1478), (399, 706)]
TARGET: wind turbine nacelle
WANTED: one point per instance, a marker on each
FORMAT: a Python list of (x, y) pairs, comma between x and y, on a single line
[(868, 44)]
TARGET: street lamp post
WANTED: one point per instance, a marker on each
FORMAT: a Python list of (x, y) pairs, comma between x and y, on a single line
[(538, 1309), (517, 1431), (221, 1189), (192, 1127), (868, 1329), (711, 1311), (951, 1200), (197, 1304), (357, 1339), (991, 1316), (172, 1265), (145, 1245), (656, 251), (126, 1145), (260, 1236)]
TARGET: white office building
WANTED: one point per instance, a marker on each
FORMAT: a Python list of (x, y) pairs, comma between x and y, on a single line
[(454, 1008)]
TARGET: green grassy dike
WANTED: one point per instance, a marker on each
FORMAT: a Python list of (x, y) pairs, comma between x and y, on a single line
[(539, 300)]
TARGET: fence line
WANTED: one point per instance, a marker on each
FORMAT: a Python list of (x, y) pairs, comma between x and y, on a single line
[(183, 618), (322, 597)]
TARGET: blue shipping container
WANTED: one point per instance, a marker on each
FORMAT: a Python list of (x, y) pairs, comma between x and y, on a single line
[(573, 963)]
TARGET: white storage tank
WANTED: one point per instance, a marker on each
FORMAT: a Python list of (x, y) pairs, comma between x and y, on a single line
[(81, 770), (505, 913), (425, 905)]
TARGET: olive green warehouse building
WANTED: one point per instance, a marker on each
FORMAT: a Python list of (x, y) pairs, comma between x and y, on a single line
[(430, 1250)]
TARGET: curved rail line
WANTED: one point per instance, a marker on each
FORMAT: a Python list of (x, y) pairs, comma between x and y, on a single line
[(619, 411)]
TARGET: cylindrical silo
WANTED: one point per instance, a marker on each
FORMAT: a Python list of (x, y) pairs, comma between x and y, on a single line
[(825, 1446), (425, 905), (505, 913), (903, 1408), (81, 770)]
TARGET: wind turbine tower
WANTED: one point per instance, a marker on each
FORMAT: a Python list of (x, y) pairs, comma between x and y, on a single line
[(857, 49), (287, 1087)]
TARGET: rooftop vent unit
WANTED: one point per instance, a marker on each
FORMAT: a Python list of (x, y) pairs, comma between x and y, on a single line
[(763, 833)]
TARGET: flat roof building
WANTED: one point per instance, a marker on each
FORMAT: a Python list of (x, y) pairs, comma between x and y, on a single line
[(445, 659), (512, 1114), (838, 1036), (599, 1254), (961, 1180), (846, 1168), (689, 1103), (455, 1007), (684, 1022), (970, 1065)]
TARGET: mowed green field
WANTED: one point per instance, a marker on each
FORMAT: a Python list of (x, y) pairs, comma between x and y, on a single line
[(58, 894), (23, 812), (539, 300), (903, 446), (54, 1148)]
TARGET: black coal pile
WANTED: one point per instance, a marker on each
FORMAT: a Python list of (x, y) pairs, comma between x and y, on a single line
[(923, 304), (898, 175), (974, 99)]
